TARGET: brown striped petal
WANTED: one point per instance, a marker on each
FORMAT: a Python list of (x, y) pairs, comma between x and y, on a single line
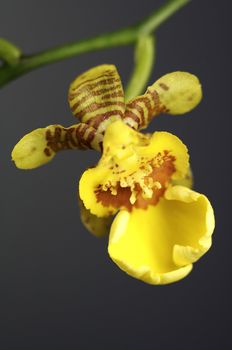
[(141, 109), (174, 93), (79, 136), (41, 145), (96, 97)]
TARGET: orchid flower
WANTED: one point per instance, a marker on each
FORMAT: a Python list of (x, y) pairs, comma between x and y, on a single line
[(160, 226)]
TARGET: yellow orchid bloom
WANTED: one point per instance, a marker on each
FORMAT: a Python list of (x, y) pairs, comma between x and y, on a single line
[(161, 226)]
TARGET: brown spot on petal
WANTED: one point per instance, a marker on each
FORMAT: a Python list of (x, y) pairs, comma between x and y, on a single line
[(47, 152), (164, 86)]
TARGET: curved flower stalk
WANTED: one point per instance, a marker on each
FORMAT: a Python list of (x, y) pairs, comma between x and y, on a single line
[(16, 63), (161, 226)]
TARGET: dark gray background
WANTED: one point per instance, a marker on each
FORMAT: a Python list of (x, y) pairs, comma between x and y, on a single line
[(59, 289)]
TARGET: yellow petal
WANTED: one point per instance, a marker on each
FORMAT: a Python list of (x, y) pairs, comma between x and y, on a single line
[(30, 152), (40, 146), (173, 93), (128, 158), (97, 96), (179, 92), (195, 234), (166, 141), (159, 245), (88, 186)]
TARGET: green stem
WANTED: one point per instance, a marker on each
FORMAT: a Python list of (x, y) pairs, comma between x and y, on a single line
[(144, 61), (121, 37)]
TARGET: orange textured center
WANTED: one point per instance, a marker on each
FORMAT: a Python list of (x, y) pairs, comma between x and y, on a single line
[(161, 173)]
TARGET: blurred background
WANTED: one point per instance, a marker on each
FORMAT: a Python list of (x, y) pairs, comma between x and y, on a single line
[(58, 287)]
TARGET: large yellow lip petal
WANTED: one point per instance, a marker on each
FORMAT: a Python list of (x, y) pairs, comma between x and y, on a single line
[(159, 245)]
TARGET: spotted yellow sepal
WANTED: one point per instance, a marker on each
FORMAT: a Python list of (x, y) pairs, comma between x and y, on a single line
[(179, 92), (40, 146), (174, 93), (29, 152)]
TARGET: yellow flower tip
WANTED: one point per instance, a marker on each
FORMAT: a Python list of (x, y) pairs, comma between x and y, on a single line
[(31, 151), (90, 74), (159, 245), (179, 92)]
